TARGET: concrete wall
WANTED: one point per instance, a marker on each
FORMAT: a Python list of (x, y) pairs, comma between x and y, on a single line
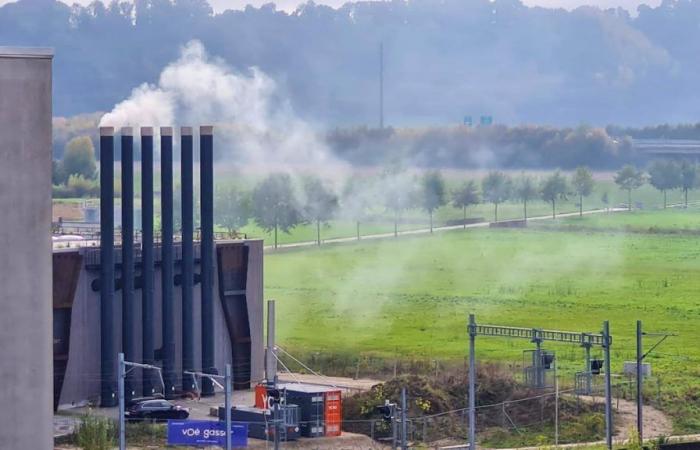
[(26, 415), (82, 381)]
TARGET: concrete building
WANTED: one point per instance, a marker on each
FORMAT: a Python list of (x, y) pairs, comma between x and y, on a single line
[(25, 245), (238, 318)]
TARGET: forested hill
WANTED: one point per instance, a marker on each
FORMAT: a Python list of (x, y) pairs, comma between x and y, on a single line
[(444, 59)]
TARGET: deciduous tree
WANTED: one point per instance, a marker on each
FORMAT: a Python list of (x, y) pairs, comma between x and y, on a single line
[(496, 188), (465, 196), (554, 188), (582, 182)]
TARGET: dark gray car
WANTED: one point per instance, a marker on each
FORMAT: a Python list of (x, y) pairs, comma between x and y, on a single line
[(158, 410)]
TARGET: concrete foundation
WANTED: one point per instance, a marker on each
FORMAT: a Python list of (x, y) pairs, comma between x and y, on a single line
[(25, 245)]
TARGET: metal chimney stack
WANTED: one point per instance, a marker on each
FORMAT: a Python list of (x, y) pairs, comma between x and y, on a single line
[(108, 352), (206, 167), (127, 264), (186, 165), (168, 319), (147, 303)]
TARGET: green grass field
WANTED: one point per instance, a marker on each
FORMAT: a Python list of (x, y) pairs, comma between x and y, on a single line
[(409, 298), (674, 220)]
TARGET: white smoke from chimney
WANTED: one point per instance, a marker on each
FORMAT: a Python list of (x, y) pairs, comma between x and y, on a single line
[(254, 123)]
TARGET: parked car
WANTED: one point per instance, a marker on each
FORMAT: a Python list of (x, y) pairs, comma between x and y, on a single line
[(158, 410)]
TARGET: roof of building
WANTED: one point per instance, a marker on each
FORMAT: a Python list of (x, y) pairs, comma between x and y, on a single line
[(26, 52)]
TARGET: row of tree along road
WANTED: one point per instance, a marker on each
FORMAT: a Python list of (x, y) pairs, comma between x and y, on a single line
[(281, 202)]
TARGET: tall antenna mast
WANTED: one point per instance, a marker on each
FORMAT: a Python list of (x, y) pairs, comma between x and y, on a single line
[(381, 85)]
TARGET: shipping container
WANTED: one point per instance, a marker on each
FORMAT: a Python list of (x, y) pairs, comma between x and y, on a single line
[(260, 421), (320, 407)]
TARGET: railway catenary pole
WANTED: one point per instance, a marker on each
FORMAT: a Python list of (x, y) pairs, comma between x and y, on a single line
[(639, 373), (227, 378), (121, 375), (472, 382), (404, 420), (640, 431), (608, 386)]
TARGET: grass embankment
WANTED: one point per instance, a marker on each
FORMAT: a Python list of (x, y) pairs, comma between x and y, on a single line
[(408, 299)]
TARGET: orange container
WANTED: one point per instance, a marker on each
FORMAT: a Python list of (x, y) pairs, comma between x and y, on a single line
[(333, 413), (261, 396)]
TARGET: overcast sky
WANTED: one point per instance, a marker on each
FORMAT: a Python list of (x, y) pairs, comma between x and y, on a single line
[(290, 5)]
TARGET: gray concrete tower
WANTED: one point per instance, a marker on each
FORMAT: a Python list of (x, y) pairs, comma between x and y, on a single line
[(26, 392)]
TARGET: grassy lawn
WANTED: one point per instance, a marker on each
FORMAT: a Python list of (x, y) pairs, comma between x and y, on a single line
[(409, 298), (670, 220)]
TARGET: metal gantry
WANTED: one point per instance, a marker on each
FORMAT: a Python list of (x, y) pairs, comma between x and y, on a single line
[(537, 336)]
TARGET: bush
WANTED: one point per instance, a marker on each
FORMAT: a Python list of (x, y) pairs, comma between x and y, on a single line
[(82, 187), (96, 433), (77, 186)]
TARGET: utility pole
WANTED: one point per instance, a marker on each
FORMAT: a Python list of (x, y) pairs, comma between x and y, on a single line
[(404, 430), (608, 386), (556, 404), (381, 85), (121, 374), (271, 357), (227, 404), (472, 383)]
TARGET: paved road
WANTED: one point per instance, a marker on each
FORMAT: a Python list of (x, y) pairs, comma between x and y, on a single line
[(435, 229)]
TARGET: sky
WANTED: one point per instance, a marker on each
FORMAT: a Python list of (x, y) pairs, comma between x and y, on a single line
[(290, 5)]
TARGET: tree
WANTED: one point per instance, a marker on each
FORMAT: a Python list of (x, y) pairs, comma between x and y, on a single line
[(688, 178), (432, 193), (582, 182), (605, 198), (358, 197), (78, 159), (465, 196), (56, 175), (664, 175), (320, 204), (232, 208), (274, 205), (553, 188), (399, 194), (525, 189), (496, 188), (629, 178)]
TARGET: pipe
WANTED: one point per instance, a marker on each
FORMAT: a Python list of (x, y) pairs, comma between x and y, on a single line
[(168, 319), (147, 289), (206, 167), (108, 350), (127, 265), (186, 166)]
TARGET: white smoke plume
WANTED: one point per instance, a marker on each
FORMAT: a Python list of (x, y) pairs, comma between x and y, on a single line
[(255, 124)]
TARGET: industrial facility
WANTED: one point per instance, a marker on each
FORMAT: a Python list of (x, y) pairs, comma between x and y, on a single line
[(181, 303)]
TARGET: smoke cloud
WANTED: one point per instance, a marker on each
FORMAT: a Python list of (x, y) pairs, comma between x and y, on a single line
[(256, 125)]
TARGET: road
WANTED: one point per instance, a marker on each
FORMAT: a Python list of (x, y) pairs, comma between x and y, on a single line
[(423, 231)]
